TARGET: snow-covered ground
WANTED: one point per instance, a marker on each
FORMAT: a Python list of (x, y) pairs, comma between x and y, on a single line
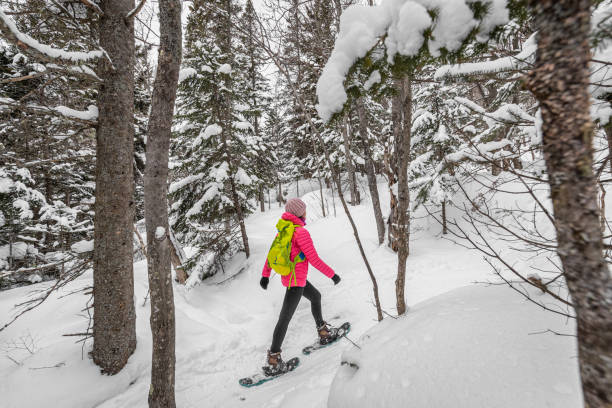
[(469, 347)]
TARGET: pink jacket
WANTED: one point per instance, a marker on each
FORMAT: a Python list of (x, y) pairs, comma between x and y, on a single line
[(301, 242)]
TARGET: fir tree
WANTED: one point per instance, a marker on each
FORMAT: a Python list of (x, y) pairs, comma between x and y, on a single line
[(215, 147)]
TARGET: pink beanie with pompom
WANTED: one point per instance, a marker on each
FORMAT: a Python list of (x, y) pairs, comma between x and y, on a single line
[(296, 207)]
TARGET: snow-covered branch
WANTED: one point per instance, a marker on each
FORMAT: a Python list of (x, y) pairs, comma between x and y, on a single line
[(88, 117), (40, 51), (403, 24), (136, 10), (522, 60), (509, 113)]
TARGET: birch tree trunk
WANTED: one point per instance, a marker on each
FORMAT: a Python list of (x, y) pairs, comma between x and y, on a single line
[(560, 82), (369, 165), (114, 325), (161, 391)]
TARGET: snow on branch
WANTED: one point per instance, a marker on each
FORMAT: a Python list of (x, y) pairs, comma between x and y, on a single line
[(509, 113), (513, 63), (76, 70), (91, 114), (93, 6), (42, 51), (402, 24), (136, 10), (88, 117)]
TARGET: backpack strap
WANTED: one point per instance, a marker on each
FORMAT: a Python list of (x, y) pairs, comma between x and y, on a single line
[(293, 262)]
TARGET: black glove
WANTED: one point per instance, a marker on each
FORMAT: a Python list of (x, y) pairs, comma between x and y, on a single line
[(264, 283), (336, 279)]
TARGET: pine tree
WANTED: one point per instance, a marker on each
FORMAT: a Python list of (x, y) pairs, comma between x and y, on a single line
[(215, 147), (434, 137)]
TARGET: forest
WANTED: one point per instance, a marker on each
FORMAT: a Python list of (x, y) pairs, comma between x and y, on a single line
[(448, 159)]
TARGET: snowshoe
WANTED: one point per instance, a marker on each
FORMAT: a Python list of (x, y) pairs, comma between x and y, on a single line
[(327, 336), (275, 368)]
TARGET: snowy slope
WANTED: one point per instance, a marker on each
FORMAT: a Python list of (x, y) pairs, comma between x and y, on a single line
[(472, 347), (224, 327)]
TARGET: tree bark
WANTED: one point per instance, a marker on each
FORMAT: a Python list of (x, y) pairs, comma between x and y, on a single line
[(400, 217), (369, 165), (240, 216), (444, 227), (560, 82), (262, 199), (321, 193), (114, 316), (349, 161), (608, 129), (161, 391)]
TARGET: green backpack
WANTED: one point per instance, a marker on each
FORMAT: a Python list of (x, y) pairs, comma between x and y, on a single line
[(279, 256)]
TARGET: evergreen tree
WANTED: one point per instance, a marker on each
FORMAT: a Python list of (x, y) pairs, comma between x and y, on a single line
[(215, 147)]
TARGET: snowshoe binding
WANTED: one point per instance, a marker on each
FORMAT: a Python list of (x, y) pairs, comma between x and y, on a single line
[(276, 367), (327, 335)]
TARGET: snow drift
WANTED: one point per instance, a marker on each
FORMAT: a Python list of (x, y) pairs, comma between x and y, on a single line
[(471, 347)]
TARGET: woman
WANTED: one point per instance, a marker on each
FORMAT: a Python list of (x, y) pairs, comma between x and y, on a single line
[(301, 243)]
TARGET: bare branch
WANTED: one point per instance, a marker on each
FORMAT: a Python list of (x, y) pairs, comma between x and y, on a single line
[(21, 78)]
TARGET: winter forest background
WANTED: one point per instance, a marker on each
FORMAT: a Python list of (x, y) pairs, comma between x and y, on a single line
[(454, 154)]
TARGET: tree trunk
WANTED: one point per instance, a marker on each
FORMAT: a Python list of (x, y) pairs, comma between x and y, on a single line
[(321, 192), (161, 392), (280, 194), (349, 161), (114, 316), (240, 216), (262, 199), (392, 163), (560, 82), (178, 258), (369, 165), (444, 228), (608, 129), (400, 215)]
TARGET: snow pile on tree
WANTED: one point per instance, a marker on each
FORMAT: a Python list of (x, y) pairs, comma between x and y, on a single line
[(404, 22), (472, 347)]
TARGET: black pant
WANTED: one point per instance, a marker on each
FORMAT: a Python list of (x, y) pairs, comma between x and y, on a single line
[(292, 298)]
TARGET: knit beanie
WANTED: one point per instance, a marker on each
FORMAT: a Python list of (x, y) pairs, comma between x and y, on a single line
[(296, 207)]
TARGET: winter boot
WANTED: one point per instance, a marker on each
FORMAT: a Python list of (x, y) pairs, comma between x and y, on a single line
[(327, 334), (275, 366)]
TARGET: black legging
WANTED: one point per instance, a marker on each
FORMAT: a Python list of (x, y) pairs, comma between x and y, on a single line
[(292, 298)]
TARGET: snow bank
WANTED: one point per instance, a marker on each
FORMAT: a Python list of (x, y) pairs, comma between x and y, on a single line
[(472, 347)]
